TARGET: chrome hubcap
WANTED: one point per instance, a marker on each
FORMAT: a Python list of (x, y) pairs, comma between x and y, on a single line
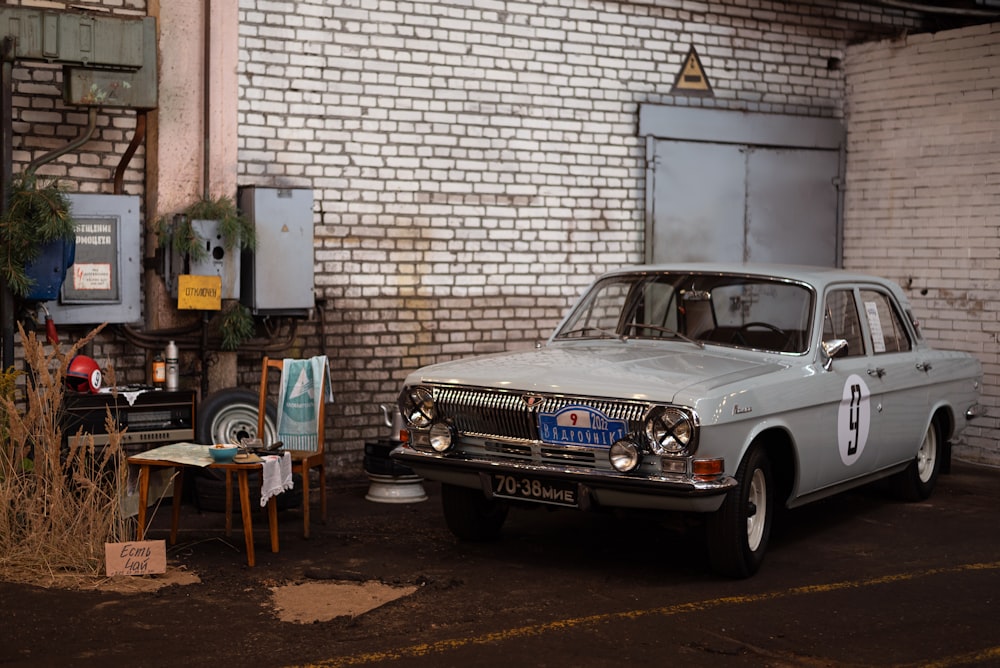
[(756, 510), (927, 455)]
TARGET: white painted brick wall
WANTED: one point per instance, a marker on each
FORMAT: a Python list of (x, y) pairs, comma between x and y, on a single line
[(475, 163), (922, 201)]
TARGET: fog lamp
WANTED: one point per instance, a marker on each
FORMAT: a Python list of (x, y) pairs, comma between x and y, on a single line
[(442, 437), (625, 455)]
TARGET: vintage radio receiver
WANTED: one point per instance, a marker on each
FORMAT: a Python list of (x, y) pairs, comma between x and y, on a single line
[(148, 417)]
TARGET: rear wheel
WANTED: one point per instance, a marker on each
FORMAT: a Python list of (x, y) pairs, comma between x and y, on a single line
[(470, 515), (739, 531), (916, 481)]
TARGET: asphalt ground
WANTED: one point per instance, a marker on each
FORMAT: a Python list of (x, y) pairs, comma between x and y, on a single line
[(856, 580)]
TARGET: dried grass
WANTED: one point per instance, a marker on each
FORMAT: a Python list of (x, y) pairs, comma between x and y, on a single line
[(59, 504)]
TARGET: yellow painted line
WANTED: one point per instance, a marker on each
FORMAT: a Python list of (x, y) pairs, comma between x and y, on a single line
[(977, 657), (441, 646)]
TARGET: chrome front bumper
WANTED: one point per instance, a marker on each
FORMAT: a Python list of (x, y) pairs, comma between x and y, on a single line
[(602, 488)]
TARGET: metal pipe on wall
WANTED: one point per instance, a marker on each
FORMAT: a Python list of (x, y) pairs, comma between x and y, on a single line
[(6, 176), (206, 108), (76, 143), (137, 139)]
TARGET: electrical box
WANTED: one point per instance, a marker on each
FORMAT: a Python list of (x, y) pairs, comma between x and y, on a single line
[(104, 282), (277, 276), (217, 261)]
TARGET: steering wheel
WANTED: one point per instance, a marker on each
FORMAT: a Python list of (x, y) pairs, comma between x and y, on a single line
[(764, 325), (761, 325)]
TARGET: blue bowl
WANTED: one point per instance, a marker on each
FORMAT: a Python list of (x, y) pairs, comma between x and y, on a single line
[(222, 453)]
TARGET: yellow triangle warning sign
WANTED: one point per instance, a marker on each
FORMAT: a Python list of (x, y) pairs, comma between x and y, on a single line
[(691, 78)]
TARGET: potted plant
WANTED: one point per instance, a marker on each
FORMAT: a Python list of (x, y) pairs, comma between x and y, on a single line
[(38, 214), (179, 235)]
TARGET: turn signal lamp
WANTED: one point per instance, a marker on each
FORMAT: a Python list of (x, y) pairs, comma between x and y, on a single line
[(708, 468)]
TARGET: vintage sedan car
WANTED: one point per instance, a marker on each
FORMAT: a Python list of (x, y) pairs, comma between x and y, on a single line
[(721, 390)]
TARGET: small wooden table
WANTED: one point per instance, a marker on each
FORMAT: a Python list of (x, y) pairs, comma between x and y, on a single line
[(145, 463)]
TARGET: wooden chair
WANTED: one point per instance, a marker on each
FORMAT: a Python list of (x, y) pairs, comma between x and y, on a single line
[(303, 460)]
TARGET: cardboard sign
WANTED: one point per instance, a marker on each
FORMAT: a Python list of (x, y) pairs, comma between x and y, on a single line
[(141, 557)]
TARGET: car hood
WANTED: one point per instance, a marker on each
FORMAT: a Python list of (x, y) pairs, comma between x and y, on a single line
[(629, 369)]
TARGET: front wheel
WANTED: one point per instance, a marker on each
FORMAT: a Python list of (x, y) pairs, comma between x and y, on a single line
[(470, 515), (738, 532), (916, 481)]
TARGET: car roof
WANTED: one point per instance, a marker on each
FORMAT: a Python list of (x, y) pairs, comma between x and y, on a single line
[(815, 276)]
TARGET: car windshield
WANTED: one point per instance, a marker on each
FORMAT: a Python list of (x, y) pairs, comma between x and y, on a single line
[(752, 312)]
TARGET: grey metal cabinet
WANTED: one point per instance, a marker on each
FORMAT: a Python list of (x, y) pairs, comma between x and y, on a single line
[(277, 276)]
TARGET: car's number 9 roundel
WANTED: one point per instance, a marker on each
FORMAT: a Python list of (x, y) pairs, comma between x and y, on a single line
[(853, 419)]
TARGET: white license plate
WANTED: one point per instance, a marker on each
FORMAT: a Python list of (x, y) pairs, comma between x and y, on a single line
[(555, 492)]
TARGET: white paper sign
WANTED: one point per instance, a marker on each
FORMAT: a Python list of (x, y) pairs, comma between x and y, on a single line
[(875, 325)]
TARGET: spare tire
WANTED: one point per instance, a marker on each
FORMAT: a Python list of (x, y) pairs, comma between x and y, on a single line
[(228, 415)]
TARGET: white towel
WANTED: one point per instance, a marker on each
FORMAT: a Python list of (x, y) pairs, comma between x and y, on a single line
[(277, 477)]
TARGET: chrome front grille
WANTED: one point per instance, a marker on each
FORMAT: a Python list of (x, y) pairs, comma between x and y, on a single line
[(507, 415), (568, 456)]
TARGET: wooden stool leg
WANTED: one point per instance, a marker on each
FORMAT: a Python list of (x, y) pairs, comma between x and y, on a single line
[(178, 492), (140, 529), (229, 503), (305, 501), (322, 492), (272, 521), (247, 517)]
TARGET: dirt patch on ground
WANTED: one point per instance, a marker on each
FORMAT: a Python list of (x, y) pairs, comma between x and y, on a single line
[(310, 602), (300, 603), (127, 584)]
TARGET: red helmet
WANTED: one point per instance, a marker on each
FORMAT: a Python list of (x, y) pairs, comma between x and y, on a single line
[(83, 375)]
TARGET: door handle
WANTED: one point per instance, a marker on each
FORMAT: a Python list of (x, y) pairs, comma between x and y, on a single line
[(877, 371), (924, 366)]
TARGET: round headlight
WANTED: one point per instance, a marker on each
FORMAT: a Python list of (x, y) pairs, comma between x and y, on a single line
[(625, 455), (441, 437), (670, 431), (416, 405)]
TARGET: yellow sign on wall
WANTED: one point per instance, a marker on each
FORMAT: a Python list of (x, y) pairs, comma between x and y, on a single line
[(200, 293), (692, 79)]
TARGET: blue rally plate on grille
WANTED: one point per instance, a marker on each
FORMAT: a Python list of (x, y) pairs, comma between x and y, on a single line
[(580, 425)]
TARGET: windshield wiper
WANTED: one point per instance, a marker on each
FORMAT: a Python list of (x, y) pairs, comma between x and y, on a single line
[(583, 331), (632, 326)]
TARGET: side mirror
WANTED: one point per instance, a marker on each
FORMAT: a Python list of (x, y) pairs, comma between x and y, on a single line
[(831, 349)]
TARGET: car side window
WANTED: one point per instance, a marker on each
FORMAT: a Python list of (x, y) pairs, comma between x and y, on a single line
[(889, 335), (841, 321)]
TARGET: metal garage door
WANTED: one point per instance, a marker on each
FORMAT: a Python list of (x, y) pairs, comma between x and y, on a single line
[(729, 186)]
